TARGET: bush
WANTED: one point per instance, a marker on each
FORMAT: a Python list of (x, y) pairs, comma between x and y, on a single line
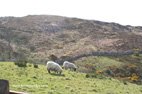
[(53, 57), (35, 66), (20, 63), (134, 77), (87, 75)]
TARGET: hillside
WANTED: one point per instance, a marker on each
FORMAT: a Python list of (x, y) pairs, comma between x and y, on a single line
[(38, 81), (38, 38), (42, 35)]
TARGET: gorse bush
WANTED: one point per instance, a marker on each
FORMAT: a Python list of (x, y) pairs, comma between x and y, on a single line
[(134, 77)]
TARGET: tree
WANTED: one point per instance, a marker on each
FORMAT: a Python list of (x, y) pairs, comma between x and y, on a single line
[(21, 57), (6, 34)]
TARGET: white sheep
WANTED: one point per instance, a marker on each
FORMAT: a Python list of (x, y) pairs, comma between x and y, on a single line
[(69, 65), (53, 66)]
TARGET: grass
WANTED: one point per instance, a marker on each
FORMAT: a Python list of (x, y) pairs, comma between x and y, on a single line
[(99, 63), (38, 81)]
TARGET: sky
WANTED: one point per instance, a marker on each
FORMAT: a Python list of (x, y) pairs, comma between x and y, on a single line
[(125, 12)]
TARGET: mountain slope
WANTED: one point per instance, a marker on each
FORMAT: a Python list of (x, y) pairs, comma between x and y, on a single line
[(43, 35)]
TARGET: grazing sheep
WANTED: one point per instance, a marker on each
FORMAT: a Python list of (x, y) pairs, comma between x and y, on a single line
[(53, 66), (68, 65)]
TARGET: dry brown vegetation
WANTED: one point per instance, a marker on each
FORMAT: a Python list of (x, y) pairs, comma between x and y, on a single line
[(44, 35)]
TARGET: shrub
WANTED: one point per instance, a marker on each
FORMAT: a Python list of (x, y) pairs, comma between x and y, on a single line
[(99, 72), (53, 57), (21, 63), (94, 75), (134, 77), (35, 66), (87, 75)]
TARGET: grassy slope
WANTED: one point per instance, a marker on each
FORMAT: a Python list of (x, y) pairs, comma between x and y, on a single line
[(71, 83), (100, 63)]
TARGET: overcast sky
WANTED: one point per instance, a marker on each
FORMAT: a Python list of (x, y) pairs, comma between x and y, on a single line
[(126, 12)]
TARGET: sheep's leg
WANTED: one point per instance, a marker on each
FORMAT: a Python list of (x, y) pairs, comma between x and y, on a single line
[(65, 68), (49, 71), (70, 69), (74, 69), (60, 73), (57, 72)]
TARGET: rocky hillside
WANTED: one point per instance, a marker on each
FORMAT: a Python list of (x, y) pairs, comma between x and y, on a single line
[(42, 35)]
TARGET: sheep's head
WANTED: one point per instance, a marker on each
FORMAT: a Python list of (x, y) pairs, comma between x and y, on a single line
[(60, 71), (62, 67), (74, 69)]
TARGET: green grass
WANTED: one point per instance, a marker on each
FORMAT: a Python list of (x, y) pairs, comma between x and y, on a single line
[(100, 63), (38, 81)]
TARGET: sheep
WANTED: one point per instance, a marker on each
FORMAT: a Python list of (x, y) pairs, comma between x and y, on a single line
[(53, 66), (69, 65)]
